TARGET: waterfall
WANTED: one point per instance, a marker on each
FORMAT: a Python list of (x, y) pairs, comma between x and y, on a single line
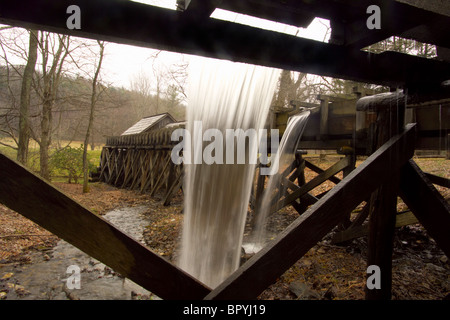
[(222, 95), (286, 155)]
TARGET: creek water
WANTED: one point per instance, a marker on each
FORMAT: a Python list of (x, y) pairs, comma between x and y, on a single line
[(46, 277), (222, 95)]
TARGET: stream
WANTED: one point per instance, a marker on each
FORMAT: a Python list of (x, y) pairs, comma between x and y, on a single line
[(46, 278)]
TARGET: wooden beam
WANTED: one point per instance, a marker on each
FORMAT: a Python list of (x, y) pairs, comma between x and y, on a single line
[(402, 219), (440, 181), (358, 36), (316, 169), (389, 122), (427, 204), (173, 189), (323, 130), (339, 166), (37, 200), (121, 22), (268, 264)]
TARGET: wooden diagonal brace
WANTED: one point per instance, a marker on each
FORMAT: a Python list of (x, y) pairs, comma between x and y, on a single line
[(427, 204), (325, 175), (24, 192), (268, 264)]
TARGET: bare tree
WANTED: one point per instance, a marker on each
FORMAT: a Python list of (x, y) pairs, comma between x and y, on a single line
[(141, 84), (54, 50), (11, 78), (24, 135), (291, 86), (94, 97)]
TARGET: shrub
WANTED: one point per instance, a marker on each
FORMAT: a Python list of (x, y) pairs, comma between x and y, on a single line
[(69, 160)]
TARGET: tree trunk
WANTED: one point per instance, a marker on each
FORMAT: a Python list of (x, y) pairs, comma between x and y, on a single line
[(91, 120), (46, 129), (24, 135), (51, 79)]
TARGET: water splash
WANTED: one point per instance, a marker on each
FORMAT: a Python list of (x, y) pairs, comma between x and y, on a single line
[(223, 95), (286, 155)]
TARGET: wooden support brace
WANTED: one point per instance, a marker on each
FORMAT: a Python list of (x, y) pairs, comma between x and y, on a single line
[(32, 197), (440, 181), (305, 200), (269, 263), (173, 189), (339, 166), (427, 204), (159, 180), (402, 219), (320, 170)]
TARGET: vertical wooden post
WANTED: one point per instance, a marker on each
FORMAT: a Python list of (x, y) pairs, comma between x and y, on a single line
[(346, 222), (383, 204), (448, 147), (301, 180), (324, 101)]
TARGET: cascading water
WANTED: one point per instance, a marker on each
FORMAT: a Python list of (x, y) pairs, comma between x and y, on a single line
[(222, 95), (286, 155)]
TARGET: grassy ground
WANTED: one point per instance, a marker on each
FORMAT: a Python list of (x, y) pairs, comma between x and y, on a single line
[(33, 155)]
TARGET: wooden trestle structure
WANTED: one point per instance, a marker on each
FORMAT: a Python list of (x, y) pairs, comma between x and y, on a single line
[(388, 172), (142, 162)]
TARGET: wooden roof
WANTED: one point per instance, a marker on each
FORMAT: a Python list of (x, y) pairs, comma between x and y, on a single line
[(146, 124)]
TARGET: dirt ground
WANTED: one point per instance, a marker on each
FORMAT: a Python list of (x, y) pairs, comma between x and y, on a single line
[(420, 269)]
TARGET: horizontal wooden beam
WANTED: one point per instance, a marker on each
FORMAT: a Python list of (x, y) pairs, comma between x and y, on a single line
[(122, 22), (37, 200), (268, 264)]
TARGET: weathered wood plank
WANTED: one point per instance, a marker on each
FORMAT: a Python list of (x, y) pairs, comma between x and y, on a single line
[(162, 173), (440, 181), (389, 121), (427, 204), (402, 219), (24, 192), (268, 264), (305, 200), (173, 189), (316, 169), (339, 166)]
